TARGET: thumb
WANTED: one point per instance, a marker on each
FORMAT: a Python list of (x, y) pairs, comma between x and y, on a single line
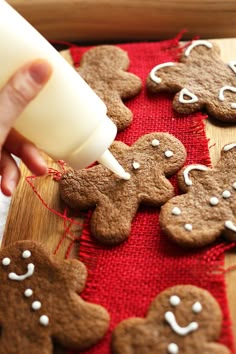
[(21, 88)]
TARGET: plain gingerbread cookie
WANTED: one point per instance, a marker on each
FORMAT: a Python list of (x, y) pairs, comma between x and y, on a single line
[(207, 210), (39, 303), (201, 81), (104, 68), (149, 161), (183, 319)]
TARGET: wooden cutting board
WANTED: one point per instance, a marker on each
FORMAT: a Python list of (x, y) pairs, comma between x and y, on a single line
[(29, 219)]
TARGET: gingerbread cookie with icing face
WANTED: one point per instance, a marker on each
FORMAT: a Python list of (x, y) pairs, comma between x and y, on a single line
[(40, 305), (201, 81), (104, 68), (148, 162), (183, 319), (207, 210)]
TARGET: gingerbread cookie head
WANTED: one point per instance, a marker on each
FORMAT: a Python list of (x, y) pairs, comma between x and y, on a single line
[(201, 81), (207, 209), (148, 162), (40, 303), (182, 319), (104, 68)]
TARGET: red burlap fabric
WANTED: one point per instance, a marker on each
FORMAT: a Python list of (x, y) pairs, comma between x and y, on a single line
[(126, 278)]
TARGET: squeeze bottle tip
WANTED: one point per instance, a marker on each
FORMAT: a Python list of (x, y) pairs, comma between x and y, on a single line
[(109, 161)]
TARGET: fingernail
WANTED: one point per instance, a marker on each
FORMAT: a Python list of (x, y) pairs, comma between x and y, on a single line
[(40, 71), (11, 186)]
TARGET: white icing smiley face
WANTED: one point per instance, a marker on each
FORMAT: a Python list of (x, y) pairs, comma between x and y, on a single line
[(28, 293), (170, 318)]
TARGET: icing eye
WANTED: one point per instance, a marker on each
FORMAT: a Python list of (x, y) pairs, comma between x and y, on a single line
[(6, 261), (176, 211), (136, 165), (197, 307), (175, 300), (169, 153), (188, 227), (26, 254), (155, 142)]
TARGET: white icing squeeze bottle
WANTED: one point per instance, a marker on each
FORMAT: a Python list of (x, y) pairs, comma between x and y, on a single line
[(67, 119)]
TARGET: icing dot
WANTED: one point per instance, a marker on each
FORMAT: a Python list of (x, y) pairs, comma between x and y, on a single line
[(175, 300), (36, 305), (155, 142), (214, 201), (197, 307), (173, 348), (44, 320), (26, 254), (169, 153), (234, 185), (6, 261), (226, 194), (28, 292), (188, 227), (176, 211), (136, 165)]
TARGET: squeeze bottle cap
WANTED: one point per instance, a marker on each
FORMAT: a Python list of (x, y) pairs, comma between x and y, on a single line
[(95, 148)]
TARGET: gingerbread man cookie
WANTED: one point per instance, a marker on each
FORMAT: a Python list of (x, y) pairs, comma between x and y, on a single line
[(39, 303), (183, 319), (207, 210), (104, 69), (201, 81), (151, 159)]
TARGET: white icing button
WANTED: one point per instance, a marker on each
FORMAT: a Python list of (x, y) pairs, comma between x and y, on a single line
[(26, 254), (136, 165), (173, 348), (234, 185), (6, 261), (169, 153), (28, 292), (226, 194), (176, 211), (188, 227), (36, 305), (197, 307), (155, 142), (175, 300), (214, 201), (44, 320)]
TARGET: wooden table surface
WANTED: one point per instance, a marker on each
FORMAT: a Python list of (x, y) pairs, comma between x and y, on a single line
[(29, 219)]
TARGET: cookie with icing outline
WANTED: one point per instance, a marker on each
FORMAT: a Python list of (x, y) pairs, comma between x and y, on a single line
[(200, 81), (149, 161), (104, 68), (207, 210), (39, 303), (183, 319)]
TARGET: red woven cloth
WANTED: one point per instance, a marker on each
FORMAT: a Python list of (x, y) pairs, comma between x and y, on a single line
[(126, 278)]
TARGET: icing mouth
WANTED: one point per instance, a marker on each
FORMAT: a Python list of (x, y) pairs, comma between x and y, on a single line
[(29, 273), (182, 331)]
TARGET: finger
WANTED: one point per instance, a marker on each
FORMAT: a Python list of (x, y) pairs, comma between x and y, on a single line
[(27, 152), (19, 91), (10, 173)]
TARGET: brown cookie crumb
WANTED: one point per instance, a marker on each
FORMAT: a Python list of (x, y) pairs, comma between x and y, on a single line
[(183, 319), (151, 159), (201, 81), (207, 209), (40, 305), (104, 69)]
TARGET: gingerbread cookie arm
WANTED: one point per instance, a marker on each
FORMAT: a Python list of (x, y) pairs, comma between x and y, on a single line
[(127, 85), (215, 348), (85, 323), (75, 273)]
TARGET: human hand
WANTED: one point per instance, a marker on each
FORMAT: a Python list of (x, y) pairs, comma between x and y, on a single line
[(21, 88)]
